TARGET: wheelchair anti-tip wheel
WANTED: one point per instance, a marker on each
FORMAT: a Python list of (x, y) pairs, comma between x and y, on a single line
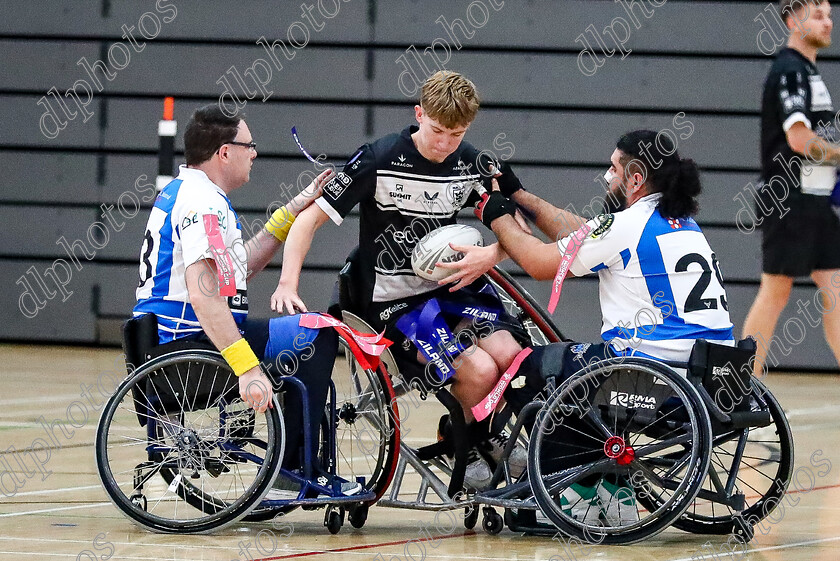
[(619, 451), (178, 451), (761, 475)]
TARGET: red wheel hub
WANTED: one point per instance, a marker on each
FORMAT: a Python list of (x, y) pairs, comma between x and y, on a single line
[(618, 450)]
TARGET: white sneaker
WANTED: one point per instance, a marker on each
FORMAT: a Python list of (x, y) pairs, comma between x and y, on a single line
[(618, 504), (348, 488), (477, 475), (495, 448), (581, 503)]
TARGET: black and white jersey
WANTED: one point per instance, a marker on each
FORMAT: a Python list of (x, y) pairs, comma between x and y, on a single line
[(794, 92), (401, 196)]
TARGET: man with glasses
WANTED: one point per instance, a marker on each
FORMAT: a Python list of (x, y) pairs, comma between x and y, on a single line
[(194, 268)]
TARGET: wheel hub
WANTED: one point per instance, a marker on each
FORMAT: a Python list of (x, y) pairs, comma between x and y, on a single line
[(618, 450), (348, 413)]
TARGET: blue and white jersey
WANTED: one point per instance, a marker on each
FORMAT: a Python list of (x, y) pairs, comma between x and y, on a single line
[(176, 237), (660, 283)]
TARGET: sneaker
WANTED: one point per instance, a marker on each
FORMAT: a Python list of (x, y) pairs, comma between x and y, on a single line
[(581, 503), (618, 503), (347, 488), (477, 475), (495, 448)]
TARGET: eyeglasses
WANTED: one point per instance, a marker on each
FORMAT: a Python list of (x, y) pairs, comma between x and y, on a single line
[(250, 145)]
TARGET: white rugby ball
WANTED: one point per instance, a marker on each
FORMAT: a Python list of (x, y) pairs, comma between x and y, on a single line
[(434, 248)]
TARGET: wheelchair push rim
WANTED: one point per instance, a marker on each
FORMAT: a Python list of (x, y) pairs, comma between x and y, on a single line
[(204, 449), (619, 451)]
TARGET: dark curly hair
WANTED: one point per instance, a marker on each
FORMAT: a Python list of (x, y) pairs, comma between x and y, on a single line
[(678, 179)]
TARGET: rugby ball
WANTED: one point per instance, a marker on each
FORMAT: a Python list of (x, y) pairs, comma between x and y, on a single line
[(434, 248)]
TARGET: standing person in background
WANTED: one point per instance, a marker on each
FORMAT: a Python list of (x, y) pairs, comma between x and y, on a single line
[(799, 152)]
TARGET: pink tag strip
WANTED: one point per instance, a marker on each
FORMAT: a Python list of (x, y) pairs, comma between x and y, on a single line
[(489, 403), (568, 256), (224, 265), (372, 345)]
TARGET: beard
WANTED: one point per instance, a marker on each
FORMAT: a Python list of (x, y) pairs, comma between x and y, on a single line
[(616, 198)]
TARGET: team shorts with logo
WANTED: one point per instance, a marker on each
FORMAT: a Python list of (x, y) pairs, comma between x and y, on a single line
[(384, 315)]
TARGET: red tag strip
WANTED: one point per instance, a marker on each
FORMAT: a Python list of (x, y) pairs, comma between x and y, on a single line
[(489, 403), (372, 345), (568, 256), (224, 265)]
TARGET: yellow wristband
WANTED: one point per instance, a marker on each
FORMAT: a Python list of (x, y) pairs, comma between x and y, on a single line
[(240, 357), (280, 223)]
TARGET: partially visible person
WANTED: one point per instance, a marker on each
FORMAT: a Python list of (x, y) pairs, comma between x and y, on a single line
[(799, 155), (406, 185), (660, 285), (194, 270)]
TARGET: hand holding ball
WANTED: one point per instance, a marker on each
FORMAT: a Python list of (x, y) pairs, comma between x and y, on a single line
[(434, 248)]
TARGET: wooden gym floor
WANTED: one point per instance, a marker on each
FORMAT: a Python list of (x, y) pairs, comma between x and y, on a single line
[(63, 513)]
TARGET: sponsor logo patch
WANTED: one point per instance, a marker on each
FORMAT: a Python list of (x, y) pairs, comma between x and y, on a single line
[(636, 401), (386, 314), (338, 184), (605, 222), (190, 219), (402, 163)]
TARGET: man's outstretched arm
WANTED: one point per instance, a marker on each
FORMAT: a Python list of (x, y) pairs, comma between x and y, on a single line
[(264, 244), (297, 246), (554, 222)]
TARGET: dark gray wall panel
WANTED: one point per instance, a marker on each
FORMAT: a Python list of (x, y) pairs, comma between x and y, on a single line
[(48, 177), (230, 20), (556, 24), (59, 320), (22, 118), (171, 69), (133, 124), (553, 79), (34, 231), (566, 136)]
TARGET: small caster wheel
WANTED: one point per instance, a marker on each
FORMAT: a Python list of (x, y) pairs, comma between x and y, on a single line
[(334, 519), (743, 531), (358, 515), (492, 521), (470, 517), (139, 501)]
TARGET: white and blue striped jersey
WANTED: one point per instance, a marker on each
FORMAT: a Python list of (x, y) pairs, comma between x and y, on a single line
[(175, 238), (660, 282)]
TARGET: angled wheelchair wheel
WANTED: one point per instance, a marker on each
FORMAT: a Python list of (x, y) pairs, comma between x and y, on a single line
[(619, 451), (761, 475), (177, 450), (521, 305), (366, 432)]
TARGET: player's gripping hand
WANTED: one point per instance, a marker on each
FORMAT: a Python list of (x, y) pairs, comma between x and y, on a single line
[(477, 260), (255, 389), (286, 298), (493, 205), (311, 191), (506, 179)]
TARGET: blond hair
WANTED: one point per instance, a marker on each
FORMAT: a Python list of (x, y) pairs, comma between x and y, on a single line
[(450, 99)]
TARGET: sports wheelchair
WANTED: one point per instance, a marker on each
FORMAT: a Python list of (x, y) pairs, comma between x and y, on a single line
[(178, 451), (708, 450)]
